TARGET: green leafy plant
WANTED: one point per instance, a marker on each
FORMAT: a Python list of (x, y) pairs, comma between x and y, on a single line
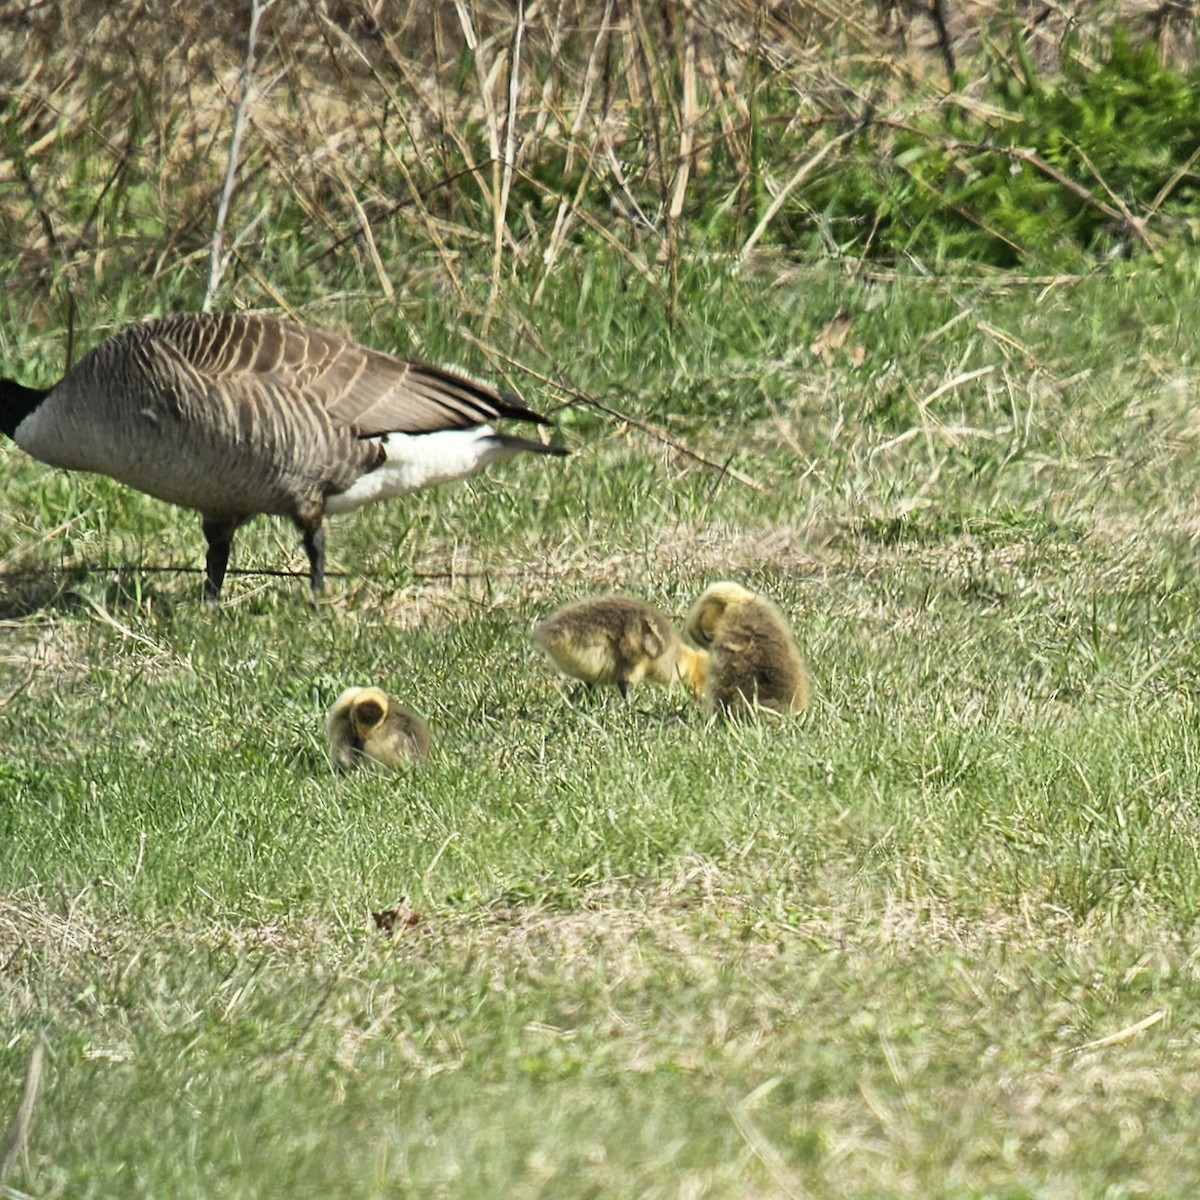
[(1096, 162)]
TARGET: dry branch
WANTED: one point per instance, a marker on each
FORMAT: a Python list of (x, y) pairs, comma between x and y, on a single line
[(801, 173), (567, 208), (578, 396), (218, 260), (1120, 216), (16, 1144), (510, 145)]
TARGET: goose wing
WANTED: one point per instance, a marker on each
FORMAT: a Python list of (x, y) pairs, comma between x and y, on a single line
[(363, 391)]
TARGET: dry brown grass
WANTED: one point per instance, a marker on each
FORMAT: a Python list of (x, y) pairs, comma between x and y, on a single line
[(494, 125)]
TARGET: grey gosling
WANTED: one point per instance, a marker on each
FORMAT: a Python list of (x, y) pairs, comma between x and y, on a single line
[(235, 415), (618, 640), (365, 723), (752, 657)]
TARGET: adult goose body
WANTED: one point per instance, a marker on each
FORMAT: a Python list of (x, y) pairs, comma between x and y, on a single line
[(238, 414)]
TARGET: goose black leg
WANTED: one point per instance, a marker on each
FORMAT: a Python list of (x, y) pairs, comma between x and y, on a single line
[(314, 547), (219, 535)]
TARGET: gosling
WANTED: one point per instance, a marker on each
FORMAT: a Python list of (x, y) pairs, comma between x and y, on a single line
[(617, 640), (752, 657), (365, 724)]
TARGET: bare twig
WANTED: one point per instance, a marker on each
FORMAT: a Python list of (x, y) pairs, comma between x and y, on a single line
[(499, 225), (130, 634), (1172, 183), (16, 1145), (801, 174), (37, 201), (1123, 218), (486, 80), (938, 12), (27, 546), (84, 569), (648, 427), (43, 213), (217, 260), (636, 261), (1118, 212), (364, 225), (687, 128), (277, 297), (303, 1032), (1136, 224), (1123, 1035), (775, 1163), (565, 207), (656, 101), (30, 671), (72, 313)]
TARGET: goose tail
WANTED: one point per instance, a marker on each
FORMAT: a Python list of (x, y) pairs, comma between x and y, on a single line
[(511, 443)]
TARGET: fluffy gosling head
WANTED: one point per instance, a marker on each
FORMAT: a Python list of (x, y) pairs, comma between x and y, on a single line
[(753, 659), (365, 724), (618, 641), (709, 610)]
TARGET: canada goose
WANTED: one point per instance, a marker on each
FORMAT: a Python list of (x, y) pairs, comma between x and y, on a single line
[(364, 722), (618, 640), (753, 659), (236, 414)]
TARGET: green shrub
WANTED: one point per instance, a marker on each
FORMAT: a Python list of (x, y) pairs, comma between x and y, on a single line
[(1043, 182)]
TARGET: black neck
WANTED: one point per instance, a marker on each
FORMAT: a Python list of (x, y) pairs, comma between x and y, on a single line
[(16, 403)]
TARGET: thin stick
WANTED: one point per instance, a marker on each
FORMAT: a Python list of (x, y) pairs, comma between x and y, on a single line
[(217, 261), (1131, 222), (645, 50), (500, 222), (791, 185), (24, 548), (84, 569), (687, 125), (16, 1145), (938, 11), (30, 671), (767, 1154), (416, 198), (1023, 154), (1122, 1035), (1172, 183), (72, 313), (558, 233), (486, 80), (648, 427), (368, 238)]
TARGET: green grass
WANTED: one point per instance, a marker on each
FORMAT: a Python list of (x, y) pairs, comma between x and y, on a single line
[(901, 946), (935, 938)]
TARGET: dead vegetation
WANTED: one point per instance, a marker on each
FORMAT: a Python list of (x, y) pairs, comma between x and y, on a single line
[(507, 130)]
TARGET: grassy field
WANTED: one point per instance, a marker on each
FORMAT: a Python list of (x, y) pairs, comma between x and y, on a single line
[(935, 938)]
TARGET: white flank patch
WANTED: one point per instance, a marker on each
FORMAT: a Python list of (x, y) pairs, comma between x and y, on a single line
[(420, 460)]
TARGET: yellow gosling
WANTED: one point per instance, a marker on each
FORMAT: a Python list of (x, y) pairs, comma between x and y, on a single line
[(364, 723), (618, 641), (753, 659)]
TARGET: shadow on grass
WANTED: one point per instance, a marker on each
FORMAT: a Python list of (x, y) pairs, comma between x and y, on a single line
[(50, 590), (131, 586)]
